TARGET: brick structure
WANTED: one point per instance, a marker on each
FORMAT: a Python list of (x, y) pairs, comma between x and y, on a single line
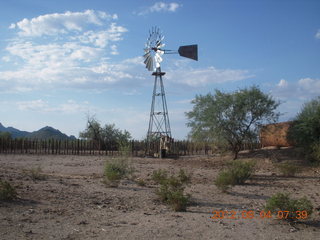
[(275, 134)]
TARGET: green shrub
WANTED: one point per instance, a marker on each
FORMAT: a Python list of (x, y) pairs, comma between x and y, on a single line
[(115, 170), (171, 189), (179, 201), (315, 152), (305, 130), (7, 192), (159, 175), (283, 202), (224, 180), (184, 177), (287, 169), (237, 172), (241, 171)]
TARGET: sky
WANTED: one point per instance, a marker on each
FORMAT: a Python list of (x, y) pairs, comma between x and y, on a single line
[(61, 61)]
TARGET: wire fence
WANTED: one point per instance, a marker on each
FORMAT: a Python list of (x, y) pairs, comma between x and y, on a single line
[(86, 147)]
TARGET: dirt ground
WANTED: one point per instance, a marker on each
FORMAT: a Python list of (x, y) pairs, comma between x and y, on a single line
[(74, 203)]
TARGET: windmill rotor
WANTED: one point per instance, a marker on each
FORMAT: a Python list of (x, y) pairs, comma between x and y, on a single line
[(153, 50)]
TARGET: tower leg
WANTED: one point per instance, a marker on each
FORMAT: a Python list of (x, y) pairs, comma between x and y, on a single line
[(159, 125)]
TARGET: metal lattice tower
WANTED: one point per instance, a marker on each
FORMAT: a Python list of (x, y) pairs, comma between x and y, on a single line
[(159, 124)]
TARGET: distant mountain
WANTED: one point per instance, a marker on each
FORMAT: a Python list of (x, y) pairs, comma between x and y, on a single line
[(49, 133), (43, 133), (15, 133)]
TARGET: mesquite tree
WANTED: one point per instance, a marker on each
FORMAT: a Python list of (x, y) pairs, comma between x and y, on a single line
[(231, 118)]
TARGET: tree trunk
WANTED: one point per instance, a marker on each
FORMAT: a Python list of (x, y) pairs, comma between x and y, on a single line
[(235, 154)]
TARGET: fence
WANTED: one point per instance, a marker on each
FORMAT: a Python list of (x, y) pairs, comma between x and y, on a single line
[(85, 147)]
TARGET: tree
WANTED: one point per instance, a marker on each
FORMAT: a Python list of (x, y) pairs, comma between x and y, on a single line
[(305, 131), (103, 135), (231, 118), (5, 136)]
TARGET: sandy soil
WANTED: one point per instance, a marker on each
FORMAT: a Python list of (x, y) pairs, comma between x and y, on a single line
[(73, 203)]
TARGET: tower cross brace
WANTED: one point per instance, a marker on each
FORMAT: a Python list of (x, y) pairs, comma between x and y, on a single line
[(159, 124)]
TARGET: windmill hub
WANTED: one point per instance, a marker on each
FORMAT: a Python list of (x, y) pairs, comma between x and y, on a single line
[(159, 126)]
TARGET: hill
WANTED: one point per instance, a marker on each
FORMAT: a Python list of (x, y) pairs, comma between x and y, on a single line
[(43, 133), (15, 133)]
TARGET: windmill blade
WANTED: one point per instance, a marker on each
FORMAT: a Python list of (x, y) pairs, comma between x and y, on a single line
[(189, 51), (149, 63)]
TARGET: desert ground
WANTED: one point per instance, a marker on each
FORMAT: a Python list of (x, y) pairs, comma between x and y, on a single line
[(74, 203)]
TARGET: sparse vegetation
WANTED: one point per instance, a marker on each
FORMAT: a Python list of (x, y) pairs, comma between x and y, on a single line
[(236, 173), (171, 190), (7, 191), (159, 175), (115, 170), (141, 182), (224, 180), (282, 202), (36, 173), (288, 169)]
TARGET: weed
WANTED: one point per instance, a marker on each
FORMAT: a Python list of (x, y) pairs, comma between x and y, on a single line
[(115, 170), (140, 182), (36, 174), (184, 177), (237, 172), (282, 202), (179, 201), (171, 189), (159, 175), (287, 169), (7, 192), (224, 180), (241, 171)]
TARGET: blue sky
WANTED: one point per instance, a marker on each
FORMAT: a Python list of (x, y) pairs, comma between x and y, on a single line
[(62, 60)]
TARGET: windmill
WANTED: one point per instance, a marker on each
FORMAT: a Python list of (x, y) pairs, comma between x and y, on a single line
[(159, 124)]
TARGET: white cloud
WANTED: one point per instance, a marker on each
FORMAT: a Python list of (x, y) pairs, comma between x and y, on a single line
[(282, 83), (33, 105), (310, 85), (67, 56), (318, 34), (161, 7), (205, 76), (60, 23), (101, 38), (69, 107)]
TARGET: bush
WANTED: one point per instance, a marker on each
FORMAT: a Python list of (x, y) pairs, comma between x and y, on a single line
[(36, 174), (241, 171), (115, 170), (237, 172), (305, 130), (179, 201), (315, 152), (7, 192), (287, 169), (171, 190), (224, 180), (283, 202), (159, 175)]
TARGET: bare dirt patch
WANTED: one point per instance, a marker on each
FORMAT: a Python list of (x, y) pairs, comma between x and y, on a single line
[(73, 203)]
